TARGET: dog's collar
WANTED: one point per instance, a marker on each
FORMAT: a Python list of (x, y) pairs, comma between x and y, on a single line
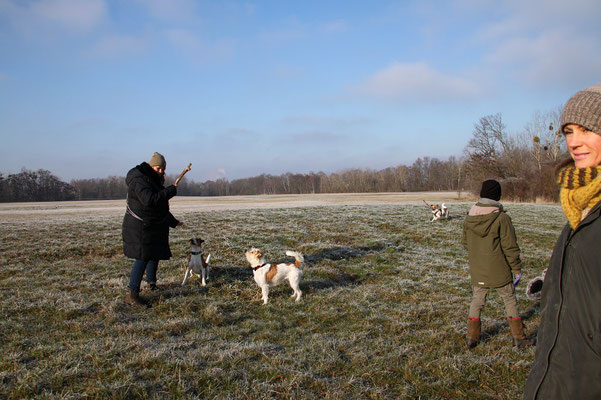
[(259, 266), (195, 253)]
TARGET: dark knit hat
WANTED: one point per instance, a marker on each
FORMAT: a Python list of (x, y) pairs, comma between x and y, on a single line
[(491, 189), (584, 109), (157, 160)]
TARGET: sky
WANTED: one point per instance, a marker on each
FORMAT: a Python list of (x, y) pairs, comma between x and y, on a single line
[(91, 88)]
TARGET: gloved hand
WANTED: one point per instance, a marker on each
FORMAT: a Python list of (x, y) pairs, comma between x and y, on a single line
[(516, 279)]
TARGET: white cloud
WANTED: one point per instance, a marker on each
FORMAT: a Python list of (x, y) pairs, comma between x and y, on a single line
[(326, 121), (236, 137), (315, 137), (246, 8), (538, 45), (292, 30), (200, 50), (184, 40), (72, 14), (550, 58), (211, 172), (287, 71), (116, 46), (335, 27), (170, 10), (7, 7), (541, 16), (418, 81), (41, 17)]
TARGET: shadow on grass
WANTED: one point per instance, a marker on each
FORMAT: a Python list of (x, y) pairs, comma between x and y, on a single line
[(340, 278), (499, 327), (219, 275), (344, 253), (171, 290), (526, 316), (222, 275)]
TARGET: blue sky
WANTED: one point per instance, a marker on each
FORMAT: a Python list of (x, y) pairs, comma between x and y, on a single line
[(90, 88)]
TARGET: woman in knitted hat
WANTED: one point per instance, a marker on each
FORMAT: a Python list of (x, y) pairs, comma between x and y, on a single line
[(567, 363), (146, 223)]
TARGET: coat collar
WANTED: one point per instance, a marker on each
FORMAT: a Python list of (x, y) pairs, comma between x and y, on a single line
[(592, 215), (150, 173)]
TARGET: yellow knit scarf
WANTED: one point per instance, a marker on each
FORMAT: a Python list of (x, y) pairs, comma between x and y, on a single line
[(580, 190)]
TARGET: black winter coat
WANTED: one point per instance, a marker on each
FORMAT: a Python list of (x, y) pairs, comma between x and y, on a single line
[(567, 363), (146, 223)]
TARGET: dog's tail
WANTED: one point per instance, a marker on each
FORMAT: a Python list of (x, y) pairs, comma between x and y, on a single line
[(298, 256)]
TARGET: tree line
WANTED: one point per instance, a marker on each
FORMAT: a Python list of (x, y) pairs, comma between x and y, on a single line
[(40, 185), (524, 164), (424, 174)]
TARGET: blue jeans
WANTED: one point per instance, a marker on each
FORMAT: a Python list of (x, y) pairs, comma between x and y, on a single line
[(137, 271)]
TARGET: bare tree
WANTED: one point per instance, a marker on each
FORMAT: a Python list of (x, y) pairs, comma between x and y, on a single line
[(547, 142), (489, 152)]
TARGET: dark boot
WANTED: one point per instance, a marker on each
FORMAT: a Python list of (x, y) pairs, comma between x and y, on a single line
[(517, 332), (473, 332), (153, 287), (133, 298)]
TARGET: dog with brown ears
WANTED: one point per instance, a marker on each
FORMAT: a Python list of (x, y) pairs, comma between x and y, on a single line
[(439, 213), (197, 264), (267, 275)]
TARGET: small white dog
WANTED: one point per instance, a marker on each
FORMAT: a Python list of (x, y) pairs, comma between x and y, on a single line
[(267, 275), (439, 212), (197, 265)]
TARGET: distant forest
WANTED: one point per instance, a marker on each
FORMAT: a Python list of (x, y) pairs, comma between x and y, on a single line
[(524, 164)]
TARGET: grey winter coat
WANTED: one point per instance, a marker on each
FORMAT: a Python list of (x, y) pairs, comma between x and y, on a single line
[(567, 362), (493, 251), (146, 223)]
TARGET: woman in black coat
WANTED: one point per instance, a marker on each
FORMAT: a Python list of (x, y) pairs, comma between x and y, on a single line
[(146, 223), (567, 363)]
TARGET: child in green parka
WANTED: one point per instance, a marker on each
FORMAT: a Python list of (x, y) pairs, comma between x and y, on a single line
[(494, 260)]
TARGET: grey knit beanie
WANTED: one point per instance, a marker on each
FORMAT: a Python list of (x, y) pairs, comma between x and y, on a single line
[(157, 160), (584, 109)]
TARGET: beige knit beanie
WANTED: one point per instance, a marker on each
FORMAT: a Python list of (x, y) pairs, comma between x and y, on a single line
[(157, 160), (584, 109)]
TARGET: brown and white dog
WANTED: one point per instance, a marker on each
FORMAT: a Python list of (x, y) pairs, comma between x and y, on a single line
[(439, 212), (197, 265), (267, 275)]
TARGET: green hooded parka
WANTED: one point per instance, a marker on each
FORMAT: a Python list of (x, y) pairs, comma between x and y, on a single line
[(493, 251)]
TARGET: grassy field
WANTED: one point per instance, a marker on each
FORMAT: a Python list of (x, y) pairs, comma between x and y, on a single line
[(383, 315)]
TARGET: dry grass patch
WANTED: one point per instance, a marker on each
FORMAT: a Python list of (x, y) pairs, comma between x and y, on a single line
[(383, 313)]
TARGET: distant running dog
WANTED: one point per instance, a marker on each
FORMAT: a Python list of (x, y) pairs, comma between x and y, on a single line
[(267, 275), (197, 265), (439, 212)]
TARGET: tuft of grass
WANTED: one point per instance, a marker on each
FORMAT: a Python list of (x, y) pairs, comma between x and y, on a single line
[(386, 295)]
